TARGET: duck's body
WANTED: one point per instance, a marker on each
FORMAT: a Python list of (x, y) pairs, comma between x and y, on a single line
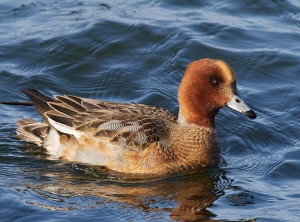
[(136, 138), (131, 138)]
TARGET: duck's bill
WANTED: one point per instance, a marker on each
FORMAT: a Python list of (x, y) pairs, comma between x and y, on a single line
[(237, 104)]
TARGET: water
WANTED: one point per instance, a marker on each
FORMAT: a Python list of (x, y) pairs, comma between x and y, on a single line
[(136, 51)]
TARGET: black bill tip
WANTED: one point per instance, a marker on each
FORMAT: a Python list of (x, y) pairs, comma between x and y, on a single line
[(251, 114)]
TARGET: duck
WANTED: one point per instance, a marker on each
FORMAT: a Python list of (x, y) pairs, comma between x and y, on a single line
[(137, 138)]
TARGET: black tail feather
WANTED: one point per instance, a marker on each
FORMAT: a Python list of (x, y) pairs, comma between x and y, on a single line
[(17, 103), (39, 100)]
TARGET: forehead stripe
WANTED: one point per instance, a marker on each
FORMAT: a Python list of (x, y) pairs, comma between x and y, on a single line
[(227, 72)]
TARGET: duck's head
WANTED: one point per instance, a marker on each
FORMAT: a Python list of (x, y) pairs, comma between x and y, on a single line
[(207, 86)]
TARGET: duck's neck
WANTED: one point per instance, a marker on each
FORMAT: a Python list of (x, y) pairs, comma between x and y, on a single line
[(201, 118)]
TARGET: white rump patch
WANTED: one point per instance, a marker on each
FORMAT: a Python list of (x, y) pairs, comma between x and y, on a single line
[(52, 143)]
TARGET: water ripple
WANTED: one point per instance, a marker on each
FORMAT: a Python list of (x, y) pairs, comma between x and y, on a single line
[(264, 165), (137, 51)]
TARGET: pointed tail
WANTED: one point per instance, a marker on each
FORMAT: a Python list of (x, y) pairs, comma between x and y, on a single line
[(17, 103), (39, 100)]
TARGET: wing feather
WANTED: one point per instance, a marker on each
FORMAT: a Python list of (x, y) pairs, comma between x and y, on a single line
[(71, 102), (131, 126), (63, 108)]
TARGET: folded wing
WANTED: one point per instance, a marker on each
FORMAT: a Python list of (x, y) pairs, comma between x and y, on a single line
[(132, 126)]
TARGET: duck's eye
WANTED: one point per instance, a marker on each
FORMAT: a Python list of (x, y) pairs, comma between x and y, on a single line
[(215, 81)]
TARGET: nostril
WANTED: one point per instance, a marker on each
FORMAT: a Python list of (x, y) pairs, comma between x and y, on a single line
[(237, 100)]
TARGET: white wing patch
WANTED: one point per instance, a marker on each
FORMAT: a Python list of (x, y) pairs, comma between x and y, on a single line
[(63, 128)]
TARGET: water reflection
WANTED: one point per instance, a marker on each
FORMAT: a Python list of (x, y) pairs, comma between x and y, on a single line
[(184, 197)]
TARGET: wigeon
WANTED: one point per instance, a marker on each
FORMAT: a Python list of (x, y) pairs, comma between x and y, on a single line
[(136, 138)]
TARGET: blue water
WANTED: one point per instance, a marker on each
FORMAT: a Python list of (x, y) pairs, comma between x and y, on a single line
[(137, 51)]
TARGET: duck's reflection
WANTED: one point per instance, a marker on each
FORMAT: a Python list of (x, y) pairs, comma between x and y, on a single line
[(184, 197)]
